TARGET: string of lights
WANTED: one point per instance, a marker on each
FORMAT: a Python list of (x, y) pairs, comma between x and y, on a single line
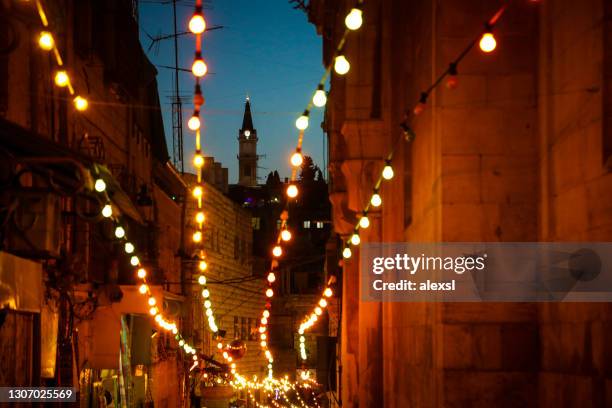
[(46, 41), (141, 272)]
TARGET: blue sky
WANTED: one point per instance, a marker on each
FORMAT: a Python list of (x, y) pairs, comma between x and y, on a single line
[(267, 50)]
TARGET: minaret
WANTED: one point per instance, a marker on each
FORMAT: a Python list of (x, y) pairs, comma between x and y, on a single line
[(247, 149)]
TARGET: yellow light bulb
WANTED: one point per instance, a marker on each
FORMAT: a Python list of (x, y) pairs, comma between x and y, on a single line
[(129, 247), (100, 185), (194, 123), (200, 217), (341, 65), (202, 265), (197, 24), (320, 98), (107, 211), (142, 273), (364, 222), (61, 78), (198, 160), (134, 260), (197, 191), (323, 303), (297, 159), (318, 311), (46, 41), (207, 304), (487, 42), (387, 172), (302, 122), (119, 232), (355, 240), (202, 280), (328, 292), (285, 235), (263, 343), (80, 103), (143, 289), (153, 311), (277, 251), (271, 277), (346, 253), (269, 293), (199, 68), (205, 293), (354, 19), (197, 236), (292, 191), (152, 301), (376, 201)]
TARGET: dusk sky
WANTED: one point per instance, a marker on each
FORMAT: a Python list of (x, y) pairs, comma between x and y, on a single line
[(266, 49)]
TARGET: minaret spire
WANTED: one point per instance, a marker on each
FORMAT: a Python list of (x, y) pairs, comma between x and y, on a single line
[(247, 120)]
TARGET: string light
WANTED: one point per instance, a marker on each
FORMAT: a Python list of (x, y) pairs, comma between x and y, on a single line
[(142, 273), (297, 159), (197, 236), (129, 247), (107, 211), (197, 24), (487, 42), (134, 260), (100, 185), (354, 19), (302, 122), (143, 289), (355, 240), (347, 253), (277, 251), (364, 221), (292, 191), (341, 65), (200, 217), (61, 78), (387, 172), (197, 191), (119, 232), (376, 200), (198, 160), (452, 82), (199, 68), (46, 41), (194, 123), (202, 265), (320, 97), (202, 280), (80, 103), (271, 279), (285, 235)]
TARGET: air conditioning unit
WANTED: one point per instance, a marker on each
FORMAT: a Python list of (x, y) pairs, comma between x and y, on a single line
[(35, 227)]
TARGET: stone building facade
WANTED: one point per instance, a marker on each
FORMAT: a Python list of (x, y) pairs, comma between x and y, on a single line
[(519, 151)]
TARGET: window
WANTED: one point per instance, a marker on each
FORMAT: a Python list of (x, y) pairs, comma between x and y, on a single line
[(306, 224), (244, 333), (320, 224)]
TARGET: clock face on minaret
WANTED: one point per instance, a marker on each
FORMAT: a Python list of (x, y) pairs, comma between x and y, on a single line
[(247, 149)]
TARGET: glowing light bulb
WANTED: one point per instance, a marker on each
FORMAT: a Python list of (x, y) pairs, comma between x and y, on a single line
[(46, 41), (197, 24), (202, 280), (302, 122), (142, 273), (194, 123), (346, 253), (292, 191), (129, 247), (387, 172), (341, 65), (80, 103), (297, 159), (320, 98), (355, 240), (61, 78), (269, 293), (153, 311), (285, 235), (263, 343), (107, 211), (181, 343), (452, 82), (318, 311), (200, 217), (199, 68), (100, 185), (328, 292), (152, 301), (209, 312), (134, 260), (202, 265), (271, 277), (119, 232), (197, 236), (364, 222), (143, 289), (207, 304), (487, 42), (354, 19), (376, 201), (323, 303), (198, 160), (277, 251), (205, 293), (197, 191)]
